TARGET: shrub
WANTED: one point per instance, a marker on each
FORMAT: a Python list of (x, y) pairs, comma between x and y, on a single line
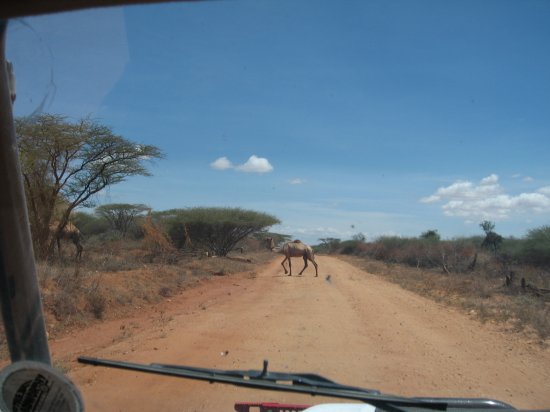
[(427, 252), (155, 239), (63, 305), (166, 292), (349, 247), (90, 225), (536, 248), (96, 302), (213, 229)]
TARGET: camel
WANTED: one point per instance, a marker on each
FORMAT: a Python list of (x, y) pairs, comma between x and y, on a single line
[(70, 232), (294, 249)]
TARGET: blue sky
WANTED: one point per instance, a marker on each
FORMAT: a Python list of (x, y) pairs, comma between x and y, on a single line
[(379, 117)]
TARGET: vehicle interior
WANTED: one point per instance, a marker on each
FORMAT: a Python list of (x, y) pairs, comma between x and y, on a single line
[(36, 79)]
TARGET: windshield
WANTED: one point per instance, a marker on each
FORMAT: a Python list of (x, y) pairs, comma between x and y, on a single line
[(178, 157)]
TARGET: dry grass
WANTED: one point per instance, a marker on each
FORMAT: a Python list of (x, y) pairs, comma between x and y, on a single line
[(481, 294), (115, 277)]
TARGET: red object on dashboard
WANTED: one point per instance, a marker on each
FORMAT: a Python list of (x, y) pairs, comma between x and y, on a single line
[(269, 407)]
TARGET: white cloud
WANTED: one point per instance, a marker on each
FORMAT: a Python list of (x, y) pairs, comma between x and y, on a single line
[(297, 181), (524, 178), (461, 190), (255, 164), (487, 200), (431, 199), (489, 180), (222, 163)]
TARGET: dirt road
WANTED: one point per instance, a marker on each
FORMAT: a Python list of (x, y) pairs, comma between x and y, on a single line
[(352, 327)]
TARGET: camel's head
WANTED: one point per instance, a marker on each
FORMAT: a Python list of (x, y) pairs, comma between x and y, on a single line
[(270, 243)]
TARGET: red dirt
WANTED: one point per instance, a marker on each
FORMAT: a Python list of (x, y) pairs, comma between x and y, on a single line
[(353, 328)]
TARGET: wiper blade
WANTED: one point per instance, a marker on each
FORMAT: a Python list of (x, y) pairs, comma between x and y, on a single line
[(279, 381), (305, 379), (307, 383)]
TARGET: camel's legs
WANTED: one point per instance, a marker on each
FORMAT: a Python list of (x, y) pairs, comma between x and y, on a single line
[(284, 267), (79, 250), (315, 264), (305, 265), (58, 241), (289, 265)]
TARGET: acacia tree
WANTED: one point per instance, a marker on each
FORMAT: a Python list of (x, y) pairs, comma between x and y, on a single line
[(330, 244), (492, 239), (121, 216), (64, 164), (431, 235), (215, 229)]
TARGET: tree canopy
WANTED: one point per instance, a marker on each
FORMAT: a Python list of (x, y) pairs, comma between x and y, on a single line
[(215, 229), (492, 239), (431, 235), (121, 216), (65, 164)]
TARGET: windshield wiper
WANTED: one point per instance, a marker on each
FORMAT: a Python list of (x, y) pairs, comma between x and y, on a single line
[(307, 383)]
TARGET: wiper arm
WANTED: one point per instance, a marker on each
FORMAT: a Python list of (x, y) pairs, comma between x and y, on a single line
[(307, 383), (304, 379), (279, 381)]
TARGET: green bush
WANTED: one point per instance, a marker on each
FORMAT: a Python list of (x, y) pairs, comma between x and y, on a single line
[(214, 229), (90, 225), (349, 247), (536, 247)]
